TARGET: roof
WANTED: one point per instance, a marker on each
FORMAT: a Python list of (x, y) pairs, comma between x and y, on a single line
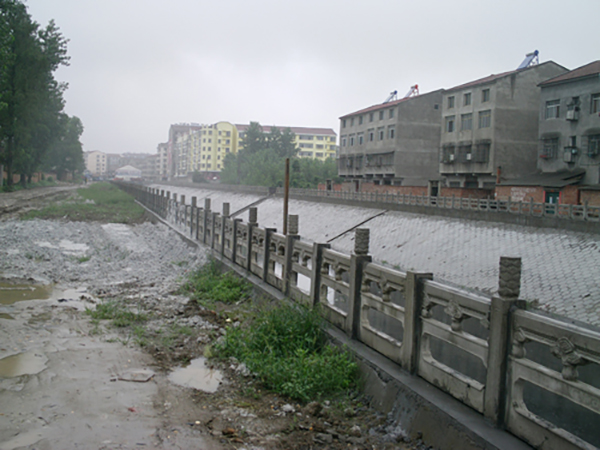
[(558, 179), (378, 106), (128, 169), (589, 70), (295, 130)]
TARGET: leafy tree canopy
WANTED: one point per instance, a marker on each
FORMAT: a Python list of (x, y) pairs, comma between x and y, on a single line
[(261, 161)]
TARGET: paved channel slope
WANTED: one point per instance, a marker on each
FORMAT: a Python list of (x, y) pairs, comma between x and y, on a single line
[(561, 269)]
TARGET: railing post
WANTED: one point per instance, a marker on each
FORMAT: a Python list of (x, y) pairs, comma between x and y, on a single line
[(234, 240), (498, 347), (214, 215), (317, 262), (358, 260), (225, 218), (290, 238), (184, 211), (192, 215), (205, 219), (413, 294), (252, 223), (585, 210), (267, 244)]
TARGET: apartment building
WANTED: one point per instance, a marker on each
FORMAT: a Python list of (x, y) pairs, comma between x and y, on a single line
[(162, 161), (490, 129), (393, 144), (96, 163), (315, 143)]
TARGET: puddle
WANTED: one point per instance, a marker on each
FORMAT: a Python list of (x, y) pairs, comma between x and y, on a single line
[(6, 316), (197, 376), (28, 363), (12, 293)]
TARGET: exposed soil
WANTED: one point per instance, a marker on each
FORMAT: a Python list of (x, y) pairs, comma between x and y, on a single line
[(89, 385)]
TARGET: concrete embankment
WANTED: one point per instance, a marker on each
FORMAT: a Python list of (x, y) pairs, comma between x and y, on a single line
[(560, 268)]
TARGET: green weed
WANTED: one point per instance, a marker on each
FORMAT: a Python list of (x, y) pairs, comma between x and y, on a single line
[(99, 202), (83, 259), (207, 286), (118, 315), (288, 351)]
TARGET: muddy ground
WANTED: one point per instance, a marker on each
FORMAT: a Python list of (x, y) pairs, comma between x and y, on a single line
[(68, 382)]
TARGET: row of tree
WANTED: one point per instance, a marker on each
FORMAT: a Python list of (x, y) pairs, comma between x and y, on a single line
[(35, 133), (261, 161)]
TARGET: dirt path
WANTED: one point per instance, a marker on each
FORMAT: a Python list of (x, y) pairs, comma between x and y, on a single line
[(12, 203), (67, 382)]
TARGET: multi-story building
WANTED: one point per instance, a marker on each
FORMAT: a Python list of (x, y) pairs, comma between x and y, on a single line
[(570, 123), (490, 129), (316, 143), (162, 161), (96, 163), (393, 144), (214, 143)]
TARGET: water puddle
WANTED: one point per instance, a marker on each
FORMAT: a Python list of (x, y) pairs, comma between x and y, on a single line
[(12, 293), (196, 375), (28, 363)]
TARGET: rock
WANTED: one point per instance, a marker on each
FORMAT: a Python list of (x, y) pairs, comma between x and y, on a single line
[(323, 438), (313, 409), (355, 431), (288, 408)]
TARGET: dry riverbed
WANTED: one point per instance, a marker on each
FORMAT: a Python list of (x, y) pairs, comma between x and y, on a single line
[(68, 381)]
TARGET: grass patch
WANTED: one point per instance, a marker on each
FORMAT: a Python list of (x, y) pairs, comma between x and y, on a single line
[(207, 285), (119, 316), (287, 349), (100, 202)]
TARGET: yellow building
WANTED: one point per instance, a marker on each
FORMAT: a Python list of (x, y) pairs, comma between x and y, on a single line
[(319, 143), (212, 143), (95, 163)]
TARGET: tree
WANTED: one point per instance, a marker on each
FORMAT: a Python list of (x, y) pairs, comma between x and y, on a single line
[(30, 98), (65, 155)]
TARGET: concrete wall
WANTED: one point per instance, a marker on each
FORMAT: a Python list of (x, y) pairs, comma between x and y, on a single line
[(586, 124)]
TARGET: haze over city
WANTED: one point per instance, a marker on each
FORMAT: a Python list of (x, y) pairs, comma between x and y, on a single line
[(136, 69)]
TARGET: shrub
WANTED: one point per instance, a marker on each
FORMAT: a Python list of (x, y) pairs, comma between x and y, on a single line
[(207, 285)]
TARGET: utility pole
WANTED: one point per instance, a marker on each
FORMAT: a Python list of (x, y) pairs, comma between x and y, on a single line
[(286, 195)]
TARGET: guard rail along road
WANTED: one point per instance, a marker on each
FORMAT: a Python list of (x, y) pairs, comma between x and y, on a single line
[(534, 375)]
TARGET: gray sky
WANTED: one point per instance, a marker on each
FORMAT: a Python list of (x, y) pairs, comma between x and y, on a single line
[(139, 66)]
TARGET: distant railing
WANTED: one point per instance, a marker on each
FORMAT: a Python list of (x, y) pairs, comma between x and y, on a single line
[(536, 376), (530, 208)]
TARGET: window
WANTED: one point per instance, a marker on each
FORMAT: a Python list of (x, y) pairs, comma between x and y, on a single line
[(464, 154), (352, 122), (381, 115), (593, 145), (371, 116), (227, 150), (344, 123), (449, 125), (595, 104), (391, 132), (319, 155), (319, 146), (549, 148), (451, 102), (467, 99), (351, 141), (485, 95), (381, 133), (360, 139), (371, 135), (552, 109), (392, 113), (466, 122), (332, 139), (485, 119), (360, 120), (319, 138), (343, 141), (481, 154), (228, 133), (448, 154)]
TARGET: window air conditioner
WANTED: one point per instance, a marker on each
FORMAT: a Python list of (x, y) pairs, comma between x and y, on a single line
[(451, 158), (468, 157), (572, 115)]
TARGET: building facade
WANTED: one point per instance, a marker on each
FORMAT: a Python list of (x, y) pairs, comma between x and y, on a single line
[(96, 163), (393, 144), (569, 118), (162, 162), (490, 129), (315, 143)]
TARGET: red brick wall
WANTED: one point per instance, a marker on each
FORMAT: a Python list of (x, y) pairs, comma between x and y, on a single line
[(407, 190), (466, 193), (520, 193), (569, 195), (591, 197)]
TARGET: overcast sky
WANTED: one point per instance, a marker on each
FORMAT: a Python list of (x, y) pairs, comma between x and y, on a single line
[(139, 66)]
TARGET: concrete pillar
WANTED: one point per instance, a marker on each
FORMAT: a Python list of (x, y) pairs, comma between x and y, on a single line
[(291, 237), (509, 285), (193, 215), (207, 204), (253, 216), (234, 240), (358, 260), (317, 262), (413, 294), (226, 210), (214, 216)]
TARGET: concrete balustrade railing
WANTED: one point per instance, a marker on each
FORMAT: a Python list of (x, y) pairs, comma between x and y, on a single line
[(528, 208), (534, 375)]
